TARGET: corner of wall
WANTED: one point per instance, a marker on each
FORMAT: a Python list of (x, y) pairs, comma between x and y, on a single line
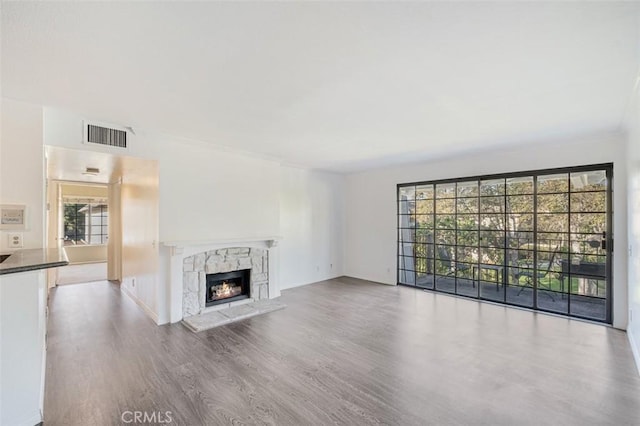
[(22, 179)]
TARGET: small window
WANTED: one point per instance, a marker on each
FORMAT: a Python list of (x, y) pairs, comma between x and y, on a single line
[(85, 223)]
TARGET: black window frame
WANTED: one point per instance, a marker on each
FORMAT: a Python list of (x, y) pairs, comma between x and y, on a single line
[(608, 239)]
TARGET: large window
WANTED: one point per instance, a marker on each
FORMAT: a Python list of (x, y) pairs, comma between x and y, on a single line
[(539, 239), (85, 223)]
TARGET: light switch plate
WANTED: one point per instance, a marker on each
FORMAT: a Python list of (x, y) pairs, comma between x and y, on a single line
[(15, 240)]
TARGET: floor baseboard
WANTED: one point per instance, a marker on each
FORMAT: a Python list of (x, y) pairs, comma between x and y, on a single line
[(634, 349)]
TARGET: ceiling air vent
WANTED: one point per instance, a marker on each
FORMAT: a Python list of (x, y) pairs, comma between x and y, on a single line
[(105, 136)]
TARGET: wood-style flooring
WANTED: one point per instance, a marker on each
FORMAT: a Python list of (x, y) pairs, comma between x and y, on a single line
[(344, 351), (82, 273)]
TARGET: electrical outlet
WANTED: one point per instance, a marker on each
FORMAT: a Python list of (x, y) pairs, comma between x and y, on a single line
[(133, 282), (15, 240)]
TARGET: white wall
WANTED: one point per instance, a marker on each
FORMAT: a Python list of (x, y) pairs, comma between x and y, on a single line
[(22, 295), (22, 168), (312, 225), (139, 221), (23, 299), (371, 235), (207, 193), (633, 170)]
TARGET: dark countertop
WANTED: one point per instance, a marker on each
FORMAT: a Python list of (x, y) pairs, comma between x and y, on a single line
[(33, 259)]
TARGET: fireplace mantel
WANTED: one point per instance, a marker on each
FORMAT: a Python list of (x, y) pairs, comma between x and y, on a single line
[(177, 247)]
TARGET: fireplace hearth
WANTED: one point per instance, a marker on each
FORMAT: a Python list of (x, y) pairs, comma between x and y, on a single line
[(227, 287)]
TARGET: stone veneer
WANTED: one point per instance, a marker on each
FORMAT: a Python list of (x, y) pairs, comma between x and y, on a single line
[(195, 269)]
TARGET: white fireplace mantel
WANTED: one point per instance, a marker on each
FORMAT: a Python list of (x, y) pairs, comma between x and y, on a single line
[(178, 247), (179, 250)]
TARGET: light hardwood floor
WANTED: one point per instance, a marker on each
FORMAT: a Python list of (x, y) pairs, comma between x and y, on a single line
[(82, 273), (344, 351)]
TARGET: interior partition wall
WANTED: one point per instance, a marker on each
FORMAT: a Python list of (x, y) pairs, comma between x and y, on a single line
[(536, 239)]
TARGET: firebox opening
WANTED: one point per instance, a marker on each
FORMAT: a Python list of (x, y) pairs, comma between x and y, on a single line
[(227, 287)]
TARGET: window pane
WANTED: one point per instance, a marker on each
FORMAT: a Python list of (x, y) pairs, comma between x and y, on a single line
[(406, 207), (492, 221), (553, 183), (424, 221), (406, 221), (492, 238), (518, 222), (553, 203), (492, 256), (444, 221), (520, 259), (588, 222), (466, 221), (589, 202), (446, 190), (407, 277), (520, 185), (587, 244), (520, 204), (553, 241), (553, 222), (424, 251), (467, 254), (492, 204), (407, 193), (425, 207), (468, 189), (406, 235), (467, 205), (589, 181), (424, 192), (446, 237), (468, 238), (520, 240), (445, 206), (424, 236), (492, 187)]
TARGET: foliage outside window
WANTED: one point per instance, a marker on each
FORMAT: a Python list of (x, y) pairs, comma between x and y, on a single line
[(85, 223), (455, 235)]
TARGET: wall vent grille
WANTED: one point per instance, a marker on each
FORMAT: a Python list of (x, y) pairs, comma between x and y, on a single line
[(106, 136)]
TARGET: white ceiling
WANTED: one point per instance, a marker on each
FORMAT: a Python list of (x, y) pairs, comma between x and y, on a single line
[(339, 86)]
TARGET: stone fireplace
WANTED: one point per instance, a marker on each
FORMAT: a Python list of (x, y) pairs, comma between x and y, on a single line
[(189, 263), (224, 276)]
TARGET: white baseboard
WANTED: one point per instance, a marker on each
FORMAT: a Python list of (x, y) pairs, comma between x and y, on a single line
[(634, 349), (147, 310), (303, 283), (358, 277)]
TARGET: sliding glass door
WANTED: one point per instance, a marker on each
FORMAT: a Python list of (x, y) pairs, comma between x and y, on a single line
[(538, 239)]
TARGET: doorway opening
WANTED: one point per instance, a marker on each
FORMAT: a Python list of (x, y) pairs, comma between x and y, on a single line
[(102, 209)]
